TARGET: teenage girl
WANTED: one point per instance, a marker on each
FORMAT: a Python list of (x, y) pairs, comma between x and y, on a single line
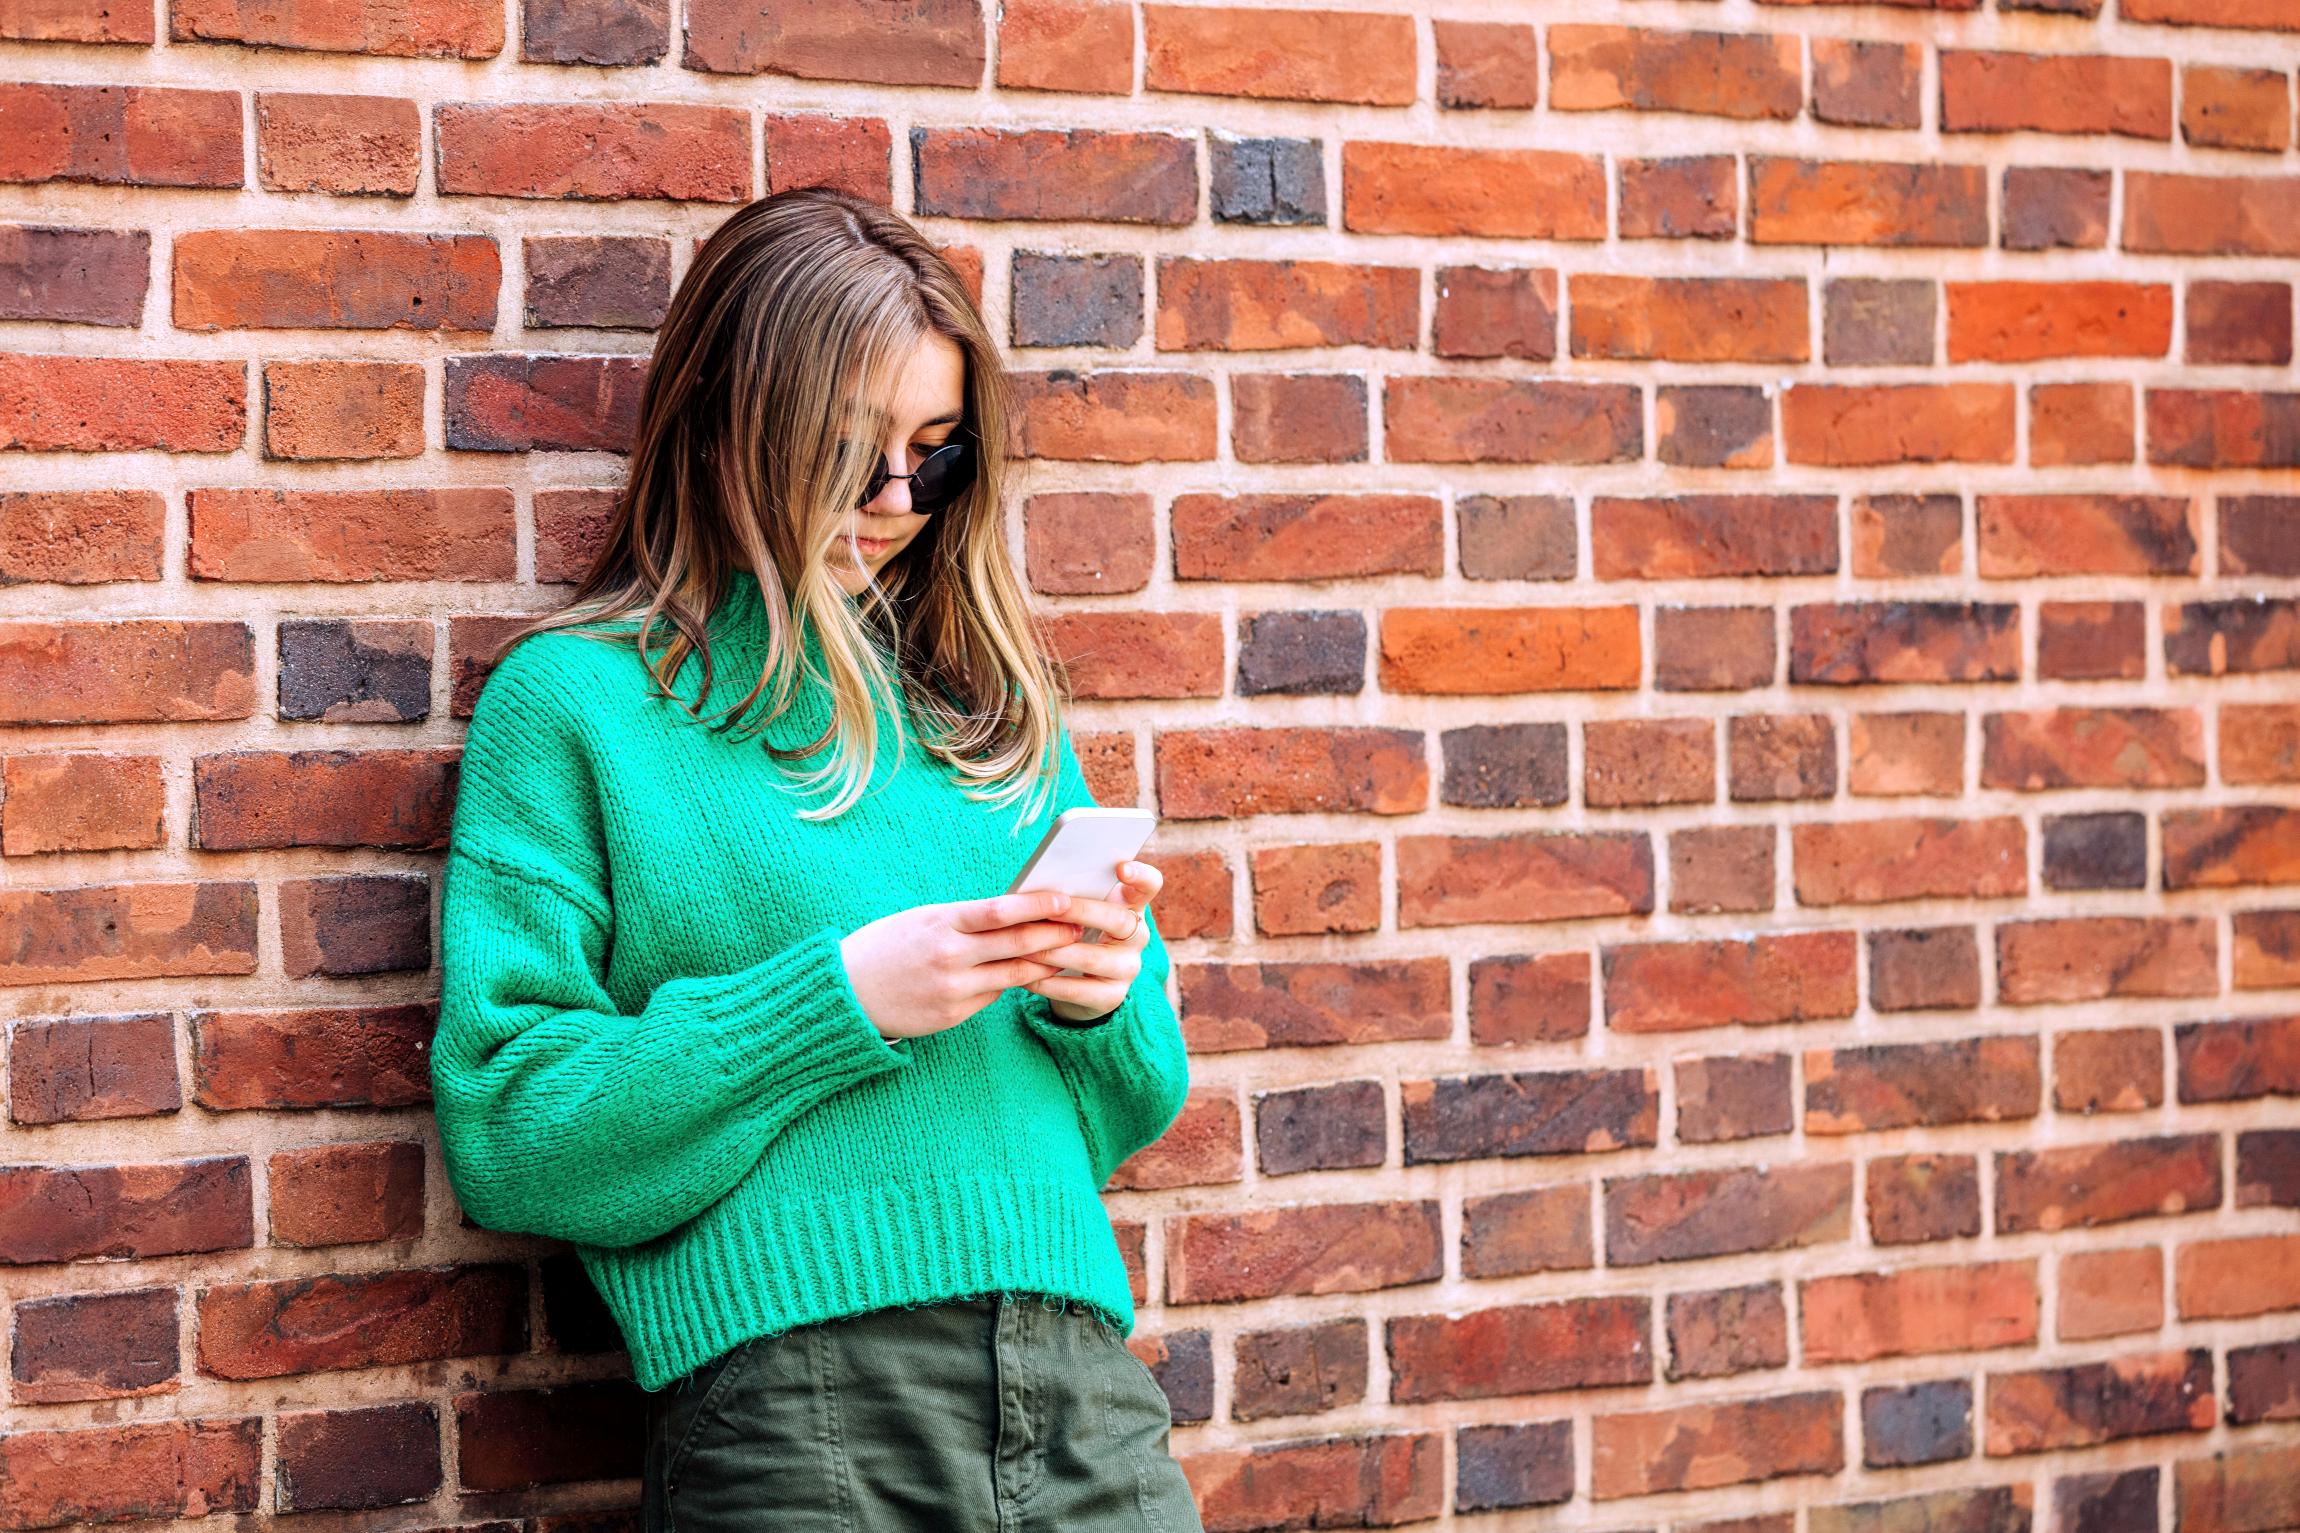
[(732, 997)]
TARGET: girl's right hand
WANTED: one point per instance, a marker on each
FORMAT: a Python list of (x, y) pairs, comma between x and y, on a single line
[(931, 967)]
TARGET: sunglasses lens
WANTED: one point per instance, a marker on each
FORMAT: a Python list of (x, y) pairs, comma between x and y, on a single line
[(943, 477)]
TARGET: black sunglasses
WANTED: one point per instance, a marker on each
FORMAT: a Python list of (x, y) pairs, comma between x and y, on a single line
[(940, 478)]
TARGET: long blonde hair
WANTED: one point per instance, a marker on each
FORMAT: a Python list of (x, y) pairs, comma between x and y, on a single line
[(784, 336)]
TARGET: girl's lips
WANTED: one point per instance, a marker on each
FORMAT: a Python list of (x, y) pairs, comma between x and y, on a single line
[(869, 546)]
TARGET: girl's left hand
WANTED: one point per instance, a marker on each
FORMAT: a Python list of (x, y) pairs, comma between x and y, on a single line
[(1109, 965)]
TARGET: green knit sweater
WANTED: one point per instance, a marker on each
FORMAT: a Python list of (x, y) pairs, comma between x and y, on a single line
[(648, 1044)]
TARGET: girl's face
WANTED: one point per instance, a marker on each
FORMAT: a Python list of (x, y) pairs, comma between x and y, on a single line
[(928, 405)]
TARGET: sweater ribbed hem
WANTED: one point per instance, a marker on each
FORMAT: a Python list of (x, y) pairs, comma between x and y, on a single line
[(752, 1268)]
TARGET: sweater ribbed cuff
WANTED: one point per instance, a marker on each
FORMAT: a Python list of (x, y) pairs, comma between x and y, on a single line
[(795, 1021)]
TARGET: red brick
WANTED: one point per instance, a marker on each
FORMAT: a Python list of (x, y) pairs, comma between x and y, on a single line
[(2238, 1277), (51, 1213), (2090, 958), (1544, 1229), (610, 32), (346, 145), (467, 29), (124, 135), (95, 1346), (2231, 845), (1639, 762), (351, 535), (2227, 107), (1114, 416), (101, 404), (1314, 1249), (2238, 1060), (1488, 650), (1653, 987), (2079, 423), (1361, 1480), (362, 923), (1903, 642), (1520, 1349), (1853, 425), (1917, 1310), (74, 276), (2084, 1185), (1865, 202), (375, 798), (372, 1319), (1528, 876), (2171, 213), (1084, 47), (2272, 14), (2223, 428), (1486, 64), (80, 802), (272, 279), (1867, 84), (1078, 174), (2029, 321), (2091, 640), (1884, 1086), (1543, 194), (129, 670), (354, 1056), (194, 1467), (1746, 75), (2093, 748), (1300, 417), (89, 1069), (1915, 857), (1318, 888), (2265, 945), (128, 931), (81, 537), (935, 42), (335, 1194), (1300, 1004), (2041, 1409), (2006, 92), (570, 525), (2110, 1293), (644, 150), (1537, 998), (1686, 1216), (1510, 420), (1306, 537), (1138, 654), (1907, 534), (2029, 535), (2245, 1490), (343, 410), (1272, 54), (1244, 305), (1721, 867), (75, 21), (1726, 1442), (1685, 537), (506, 402), (1684, 197), (2113, 1069), (2245, 323)]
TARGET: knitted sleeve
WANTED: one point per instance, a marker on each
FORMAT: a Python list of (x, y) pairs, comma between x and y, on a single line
[(1128, 1071), (560, 1113)]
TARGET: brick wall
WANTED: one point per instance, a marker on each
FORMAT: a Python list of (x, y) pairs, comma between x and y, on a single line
[(1709, 594)]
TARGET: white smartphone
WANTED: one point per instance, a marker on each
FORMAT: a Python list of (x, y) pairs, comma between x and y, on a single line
[(1080, 854)]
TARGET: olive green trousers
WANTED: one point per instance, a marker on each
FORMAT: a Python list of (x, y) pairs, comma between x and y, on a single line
[(989, 1414)]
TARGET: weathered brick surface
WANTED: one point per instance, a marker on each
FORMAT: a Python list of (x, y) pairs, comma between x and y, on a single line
[(1709, 604)]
